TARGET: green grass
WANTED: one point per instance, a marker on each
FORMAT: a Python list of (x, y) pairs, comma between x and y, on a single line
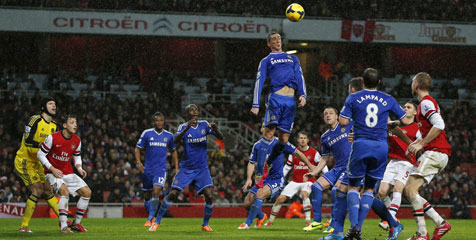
[(224, 228)]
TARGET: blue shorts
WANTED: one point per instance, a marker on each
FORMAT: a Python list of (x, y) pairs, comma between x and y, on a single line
[(344, 179), (201, 178), (254, 189), (155, 178), (280, 111), (368, 158), (333, 175), (275, 184)]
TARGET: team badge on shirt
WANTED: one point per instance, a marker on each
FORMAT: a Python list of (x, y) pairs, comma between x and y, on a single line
[(273, 117), (73, 147), (165, 139), (342, 130), (203, 131)]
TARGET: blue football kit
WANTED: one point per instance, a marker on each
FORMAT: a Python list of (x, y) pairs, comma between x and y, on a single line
[(155, 146), (194, 165), (283, 70), (369, 109)]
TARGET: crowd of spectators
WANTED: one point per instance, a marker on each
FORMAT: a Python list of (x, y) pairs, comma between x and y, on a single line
[(439, 10), (110, 127)]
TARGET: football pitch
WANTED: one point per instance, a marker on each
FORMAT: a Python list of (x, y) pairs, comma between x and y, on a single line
[(224, 228)]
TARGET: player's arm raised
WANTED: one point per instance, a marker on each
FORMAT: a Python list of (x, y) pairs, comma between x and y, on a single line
[(260, 78), (180, 135), (214, 127)]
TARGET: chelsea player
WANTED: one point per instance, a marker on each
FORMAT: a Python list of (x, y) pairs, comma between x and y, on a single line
[(194, 166), (274, 182), (285, 74), (155, 142), (333, 141), (369, 109)]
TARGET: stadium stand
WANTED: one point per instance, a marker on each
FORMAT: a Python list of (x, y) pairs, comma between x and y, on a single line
[(112, 118), (441, 10)]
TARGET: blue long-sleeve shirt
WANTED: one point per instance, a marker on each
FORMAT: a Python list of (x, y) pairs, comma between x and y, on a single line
[(283, 70)]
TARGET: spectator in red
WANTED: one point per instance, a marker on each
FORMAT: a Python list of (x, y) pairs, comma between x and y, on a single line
[(325, 69)]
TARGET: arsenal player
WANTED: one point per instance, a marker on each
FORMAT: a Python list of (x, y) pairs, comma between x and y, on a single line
[(298, 184), (400, 165), (436, 151), (55, 155)]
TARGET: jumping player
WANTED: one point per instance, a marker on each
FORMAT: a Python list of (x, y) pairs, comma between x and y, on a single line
[(155, 142), (285, 73), (298, 184), (436, 151), (194, 165), (55, 154)]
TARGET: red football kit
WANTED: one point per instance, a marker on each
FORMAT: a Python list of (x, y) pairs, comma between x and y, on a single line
[(60, 150), (427, 107), (398, 147), (300, 168)]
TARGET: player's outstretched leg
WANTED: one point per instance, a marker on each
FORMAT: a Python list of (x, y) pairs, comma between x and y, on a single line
[(254, 211), (275, 209), (442, 226), (163, 208), (381, 210)]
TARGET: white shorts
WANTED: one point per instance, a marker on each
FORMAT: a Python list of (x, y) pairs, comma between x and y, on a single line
[(293, 187), (397, 170), (72, 181), (429, 164)]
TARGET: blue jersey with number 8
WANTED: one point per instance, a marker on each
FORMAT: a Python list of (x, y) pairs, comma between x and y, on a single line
[(370, 109)]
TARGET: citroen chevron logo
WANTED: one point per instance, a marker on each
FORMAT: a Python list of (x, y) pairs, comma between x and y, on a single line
[(162, 23)]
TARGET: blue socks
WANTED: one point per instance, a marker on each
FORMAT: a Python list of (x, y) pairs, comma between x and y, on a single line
[(353, 203), (382, 211), (153, 205), (260, 215), (254, 210), (334, 189), (163, 209), (207, 213), (340, 210), (316, 201), (365, 205), (147, 206)]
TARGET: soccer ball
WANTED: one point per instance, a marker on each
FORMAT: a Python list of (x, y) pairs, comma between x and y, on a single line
[(295, 12)]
